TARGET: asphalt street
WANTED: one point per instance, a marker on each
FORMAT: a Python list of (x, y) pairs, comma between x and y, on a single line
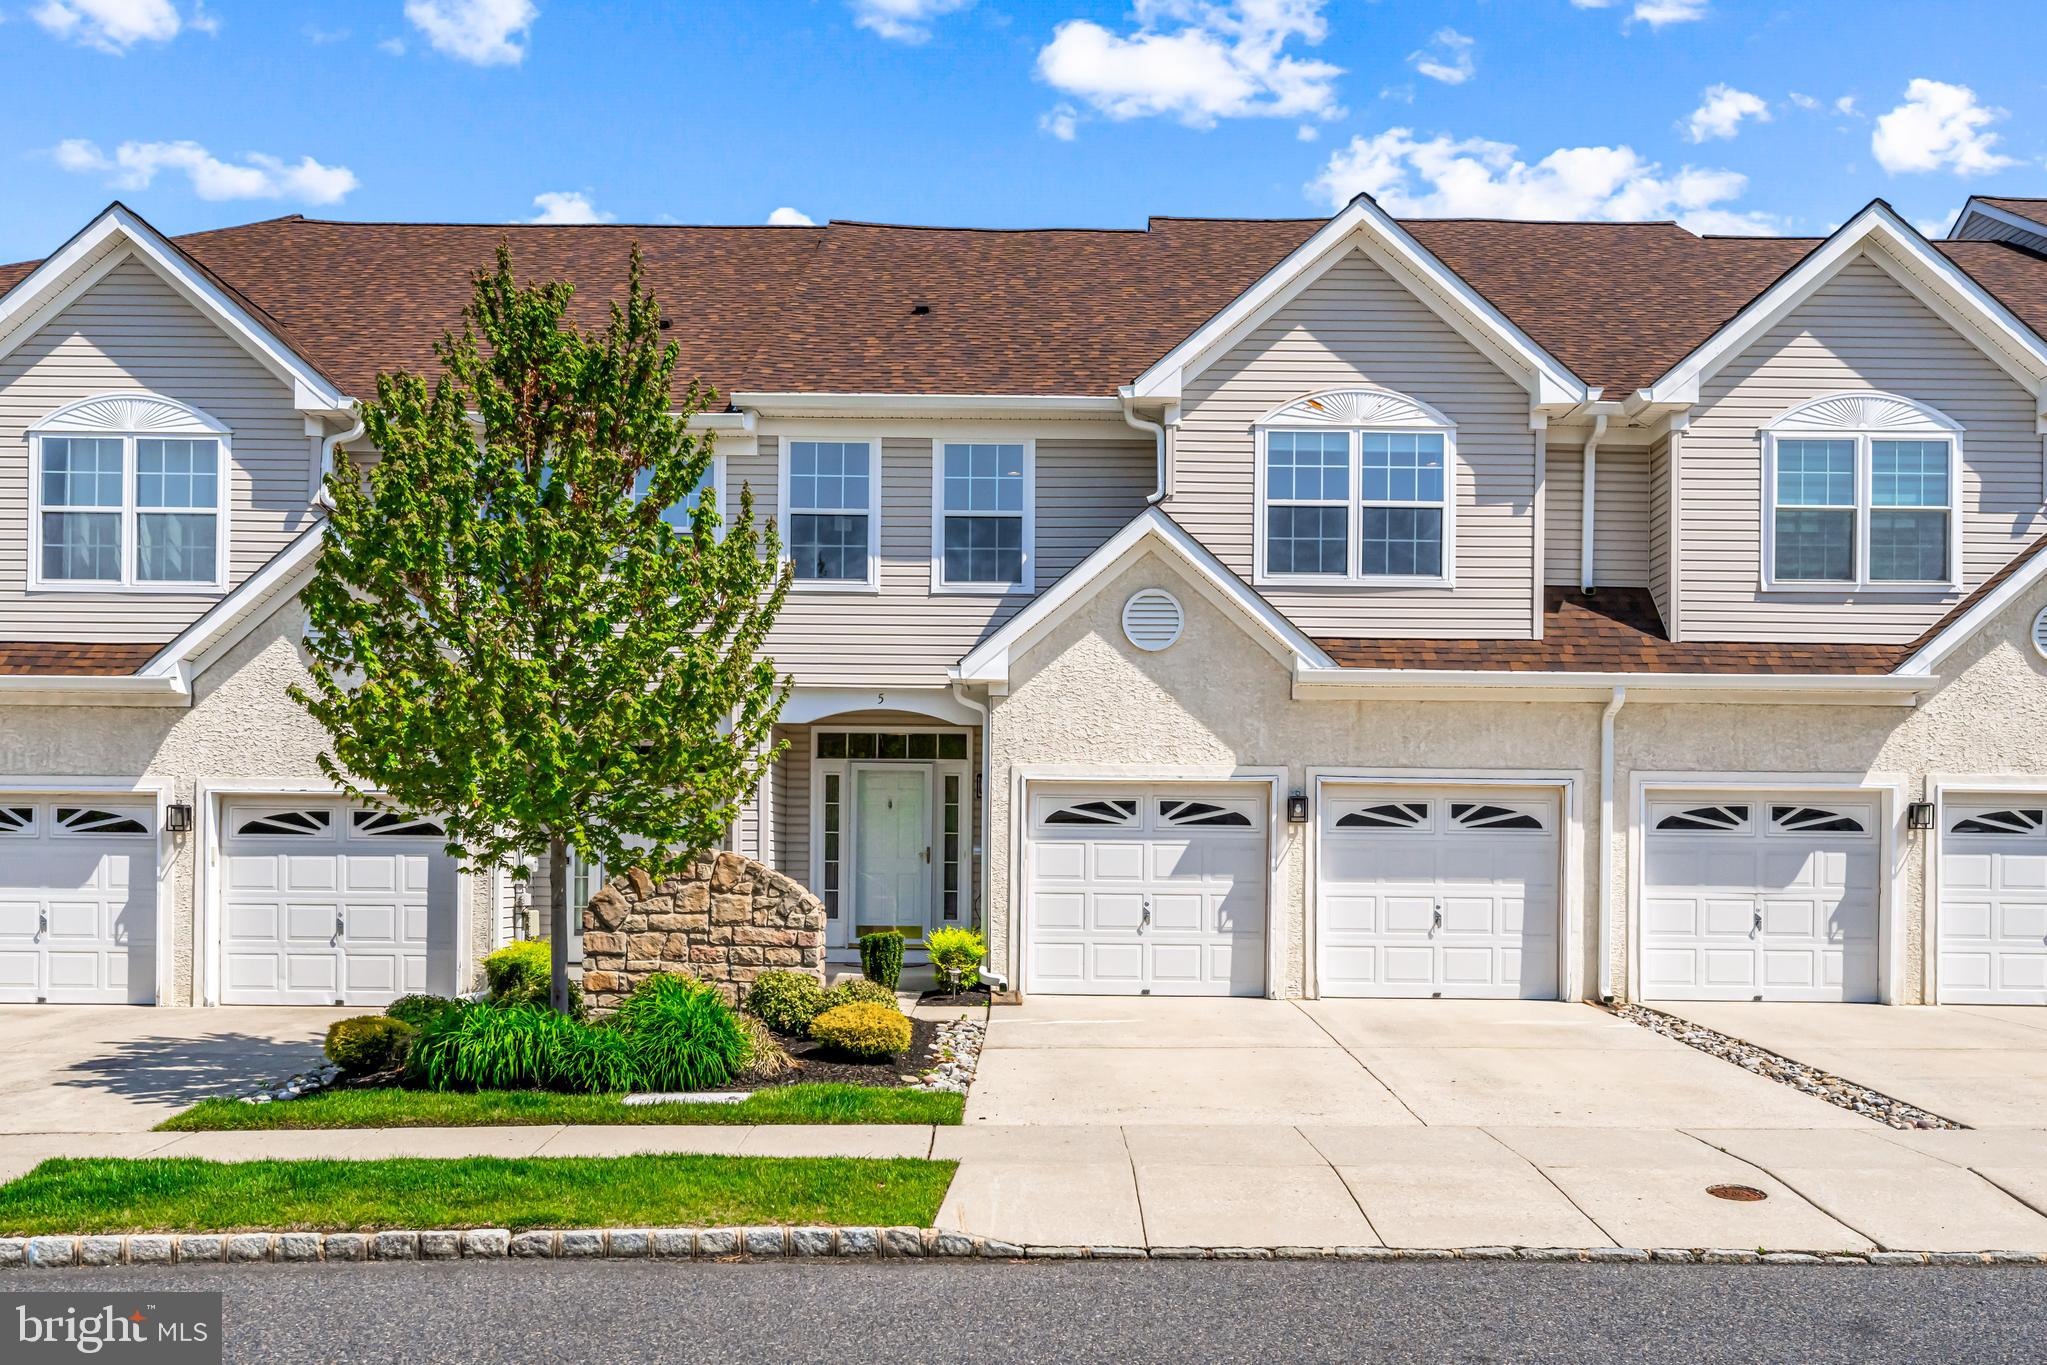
[(1204, 1311)]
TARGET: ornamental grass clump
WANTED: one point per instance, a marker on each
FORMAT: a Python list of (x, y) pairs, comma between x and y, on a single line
[(501, 1047), (681, 1034), (866, 1032)]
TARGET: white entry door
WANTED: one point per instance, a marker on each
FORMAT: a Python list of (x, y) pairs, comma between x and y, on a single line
[(77, 901), (1145, 890), (1760, 898), (1993, 903), (892, 847), (1438, 892), (326, 903)]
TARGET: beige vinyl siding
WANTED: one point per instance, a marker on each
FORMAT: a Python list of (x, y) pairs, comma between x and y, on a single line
[(1862, 330), (1620, 517), (1355, 325), (1660, 584), (132, 331), (1088, 488)]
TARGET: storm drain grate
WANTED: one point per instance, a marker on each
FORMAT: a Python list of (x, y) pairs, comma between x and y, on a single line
[(1740, 1194)]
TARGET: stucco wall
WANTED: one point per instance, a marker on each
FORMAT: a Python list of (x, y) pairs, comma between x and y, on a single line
[(240, 725), (1083, 699)]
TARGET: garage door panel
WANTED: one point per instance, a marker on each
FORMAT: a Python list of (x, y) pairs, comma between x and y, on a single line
[(1992, 917), (1185, 852), (2019, 872), (1969, 872), (77, 901), (317, 872), (2020, 972), (1459, 900)]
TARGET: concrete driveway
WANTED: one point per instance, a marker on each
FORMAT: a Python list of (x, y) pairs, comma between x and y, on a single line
[(1391, 1063), (126, 1068), (1982, 1065)]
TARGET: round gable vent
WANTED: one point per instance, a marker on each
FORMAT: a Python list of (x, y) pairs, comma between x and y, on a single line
[(1152, 619), (2039, 631)]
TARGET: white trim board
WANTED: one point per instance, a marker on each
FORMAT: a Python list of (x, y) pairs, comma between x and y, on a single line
[(989, 662), (1985, 610)]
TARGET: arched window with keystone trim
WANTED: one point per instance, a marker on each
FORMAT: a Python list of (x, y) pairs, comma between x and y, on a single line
[(1861, 491), (1356, 486), (128, 491)]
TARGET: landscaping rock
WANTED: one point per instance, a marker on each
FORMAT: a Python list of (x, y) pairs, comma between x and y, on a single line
[(713, 1242), (49, 1251), (245, 1247), (627, 1245), (202, 1248), (859, 1242), (395, 1246), (346, 1246), (582, 1244), (291, 1246), (532, 1245), (810, 1241), (99, 1251), (440, 1246), (487, 1244), (902, 1241), (673, 1244), (150, 1249), (761, 1241), (1843, 1094)]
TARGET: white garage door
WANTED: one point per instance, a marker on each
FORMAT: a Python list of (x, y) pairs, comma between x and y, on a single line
[(77, 902), (1427, 892), (1145, 890), (1993, 903), (1760, 898), (324, 903)]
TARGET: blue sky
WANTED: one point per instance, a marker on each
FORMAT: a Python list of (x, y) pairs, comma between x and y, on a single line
[(1729, 115)]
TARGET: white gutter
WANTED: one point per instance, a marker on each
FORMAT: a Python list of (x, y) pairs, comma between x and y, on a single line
[(963, 405), (981, 841), (1588, 498), (329, 448), (93, 689), (1312, 679), (1613, 706), (1158, 435)]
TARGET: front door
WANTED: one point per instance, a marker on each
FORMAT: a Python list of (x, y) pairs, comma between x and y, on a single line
[(892, 848)]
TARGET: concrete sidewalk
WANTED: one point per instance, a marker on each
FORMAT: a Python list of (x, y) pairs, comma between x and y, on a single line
[(1154, 1185)]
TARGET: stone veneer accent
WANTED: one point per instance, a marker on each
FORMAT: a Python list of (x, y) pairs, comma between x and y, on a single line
[(725, 918)]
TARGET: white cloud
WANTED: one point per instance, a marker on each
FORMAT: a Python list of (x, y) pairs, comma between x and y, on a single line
[(1061, 121), (485, 32), (1805, 102), (788, 217), (135, 166), (1721, 112), (1935, 227), (115, 25), (1197, 61), (1655, 13), (1447, 58), (1845, 105), (561, 208), (1307, 132), (1939, 127), (1443, 177), (903, 21), (394, 46)]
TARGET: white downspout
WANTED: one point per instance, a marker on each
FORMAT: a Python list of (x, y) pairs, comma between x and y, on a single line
[(1613, 706), (1158, 436), (1588, 581), (982, 842), (329, 450)]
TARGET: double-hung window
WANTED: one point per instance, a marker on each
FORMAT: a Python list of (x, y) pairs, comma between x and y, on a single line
[(983, 527), (1861, 508), (681, 514), (1362, 496), (831, 492), (118, 509)]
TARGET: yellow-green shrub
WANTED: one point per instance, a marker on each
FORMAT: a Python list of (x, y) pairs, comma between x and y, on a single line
[(869, 1032)]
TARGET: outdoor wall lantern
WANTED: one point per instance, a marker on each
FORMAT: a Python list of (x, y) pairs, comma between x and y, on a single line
[(177, 818), (1297, 809), (1919, 815)]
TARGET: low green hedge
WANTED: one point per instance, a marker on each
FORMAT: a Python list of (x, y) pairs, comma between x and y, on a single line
[(521, 973), (368, 1043), (868, 1032)]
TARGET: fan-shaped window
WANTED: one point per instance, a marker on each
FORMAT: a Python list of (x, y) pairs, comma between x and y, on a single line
[(86, 820), (1108, 812), (1707, 819), (1473, 815), (390, 824), (2018, 820), (1202, 813), (278, 823), (1389, 815), (17, 819), (1816, 820), (1862, 491)]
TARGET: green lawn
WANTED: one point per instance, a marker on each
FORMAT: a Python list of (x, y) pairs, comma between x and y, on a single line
[(180, 1194), (436, 1109)]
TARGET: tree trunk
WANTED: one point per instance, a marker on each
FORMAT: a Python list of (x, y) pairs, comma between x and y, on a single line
[(558, 923)]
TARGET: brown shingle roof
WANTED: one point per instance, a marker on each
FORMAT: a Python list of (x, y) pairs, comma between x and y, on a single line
[(1057, 311), (1615, 631), (73, 660), (2035, 209)]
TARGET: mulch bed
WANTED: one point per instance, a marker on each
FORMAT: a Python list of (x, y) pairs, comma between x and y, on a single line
[(815, 1065), (980, 997)]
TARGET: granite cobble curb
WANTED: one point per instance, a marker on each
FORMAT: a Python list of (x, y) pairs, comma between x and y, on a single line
[(895, 1244)]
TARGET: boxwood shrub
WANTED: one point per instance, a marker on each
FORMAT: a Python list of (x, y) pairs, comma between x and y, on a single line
[(858, 990), (868, 1032), (881, 957), (786, 1001), (368, 1043)]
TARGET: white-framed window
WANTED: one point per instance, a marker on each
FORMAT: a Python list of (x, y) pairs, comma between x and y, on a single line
[(129, 492), (831, 501), (1358, 487), (1860, 492), (678, 514), (983, 516)]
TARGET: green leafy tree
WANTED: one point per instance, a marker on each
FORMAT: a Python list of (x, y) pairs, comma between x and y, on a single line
[(506, 630)]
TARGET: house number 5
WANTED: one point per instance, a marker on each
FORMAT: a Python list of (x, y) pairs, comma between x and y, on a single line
[(881, 699)]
